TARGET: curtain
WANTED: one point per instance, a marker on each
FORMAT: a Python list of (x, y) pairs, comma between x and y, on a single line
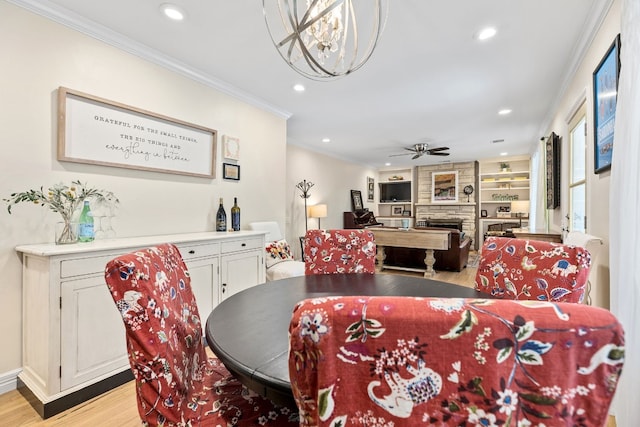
[(624, 213), (539, 219)]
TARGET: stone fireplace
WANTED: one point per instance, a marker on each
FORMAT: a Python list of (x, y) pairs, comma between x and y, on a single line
[(462, 214)]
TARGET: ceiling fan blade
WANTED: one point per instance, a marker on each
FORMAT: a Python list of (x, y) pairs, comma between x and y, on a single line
[(438, 149), (396, 155), (416, 156), (438, 153), (413, 150)]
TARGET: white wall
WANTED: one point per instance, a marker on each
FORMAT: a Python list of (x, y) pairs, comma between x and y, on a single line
[(597, 185), (37, 57), (333, 181)]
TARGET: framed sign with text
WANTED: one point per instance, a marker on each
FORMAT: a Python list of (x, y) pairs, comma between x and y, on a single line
[(101, 132)]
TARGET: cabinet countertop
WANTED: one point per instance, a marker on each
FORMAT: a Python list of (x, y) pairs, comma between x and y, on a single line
[(51, 249)]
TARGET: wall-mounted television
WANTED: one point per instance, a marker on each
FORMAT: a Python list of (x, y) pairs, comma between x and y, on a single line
[(395, 192)]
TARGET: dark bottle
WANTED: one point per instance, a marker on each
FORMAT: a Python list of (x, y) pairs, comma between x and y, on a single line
[(221, 218), (235, 215)]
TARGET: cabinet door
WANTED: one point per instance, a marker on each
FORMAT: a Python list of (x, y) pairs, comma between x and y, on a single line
[(92, 333), (205, 285), (240, 271)]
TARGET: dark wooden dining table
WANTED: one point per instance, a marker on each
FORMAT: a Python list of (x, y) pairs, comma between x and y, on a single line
[(248, 331)]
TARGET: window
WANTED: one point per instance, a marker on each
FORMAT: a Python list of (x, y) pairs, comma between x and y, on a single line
[(577, 172)]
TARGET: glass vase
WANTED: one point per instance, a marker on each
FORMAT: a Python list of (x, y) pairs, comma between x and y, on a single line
[(66, 232)]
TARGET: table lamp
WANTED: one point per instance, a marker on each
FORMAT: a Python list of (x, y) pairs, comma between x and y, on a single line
[(520, 207), (318, 211)]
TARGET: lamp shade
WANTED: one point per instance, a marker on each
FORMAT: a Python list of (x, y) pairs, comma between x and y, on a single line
[(318, 211), (520, 206)]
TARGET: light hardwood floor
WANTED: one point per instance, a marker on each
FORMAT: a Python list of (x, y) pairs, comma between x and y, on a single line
[(118, 406)]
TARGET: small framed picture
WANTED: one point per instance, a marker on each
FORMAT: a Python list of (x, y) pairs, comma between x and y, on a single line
[(230, 171), (406, 212), (231, 147), (483, 213), (356, 201), (397, 210), (370, 186)]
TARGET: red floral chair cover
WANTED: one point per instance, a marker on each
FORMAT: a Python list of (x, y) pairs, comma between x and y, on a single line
[(533, 270), (176, 384), (339, 251), (409, 361)]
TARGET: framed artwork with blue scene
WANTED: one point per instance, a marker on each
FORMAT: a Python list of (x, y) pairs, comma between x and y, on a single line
[(605, 95)]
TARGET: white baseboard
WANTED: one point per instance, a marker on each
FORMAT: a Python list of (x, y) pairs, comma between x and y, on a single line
[(9, 381)]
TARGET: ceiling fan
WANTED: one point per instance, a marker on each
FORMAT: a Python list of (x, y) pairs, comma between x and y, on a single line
[(419, 150)]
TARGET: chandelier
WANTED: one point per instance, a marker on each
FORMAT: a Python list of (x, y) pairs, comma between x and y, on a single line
[(323, 39)]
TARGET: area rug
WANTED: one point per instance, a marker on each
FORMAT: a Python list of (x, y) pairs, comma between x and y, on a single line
[(474, 259)]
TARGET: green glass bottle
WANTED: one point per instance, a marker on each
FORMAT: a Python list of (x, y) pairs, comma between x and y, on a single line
[(235, 215), (86, 232), (221, 218)]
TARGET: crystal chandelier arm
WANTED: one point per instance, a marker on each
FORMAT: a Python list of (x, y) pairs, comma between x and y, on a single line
[(320, 38), (304, 23)]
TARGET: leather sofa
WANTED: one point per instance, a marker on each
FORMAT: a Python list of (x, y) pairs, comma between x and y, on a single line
[(453, 259)]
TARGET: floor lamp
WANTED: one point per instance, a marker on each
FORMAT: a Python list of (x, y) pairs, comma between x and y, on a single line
[(305, 186), (318, 211)]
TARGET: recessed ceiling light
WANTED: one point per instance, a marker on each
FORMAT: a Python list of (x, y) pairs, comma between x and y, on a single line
[(504, 153), (486, 33), (504, 112), (298, 88), (326, 140), (387, 164), (172, 11)]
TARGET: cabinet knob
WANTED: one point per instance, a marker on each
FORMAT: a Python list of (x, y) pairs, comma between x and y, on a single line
[(243, 245), (192, 252)]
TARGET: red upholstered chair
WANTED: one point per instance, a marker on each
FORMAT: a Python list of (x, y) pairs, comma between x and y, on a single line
[(176, 384), (408, 361), (533, 270), (339, 251)]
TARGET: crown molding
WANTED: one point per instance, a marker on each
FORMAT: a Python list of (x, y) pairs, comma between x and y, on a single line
[(97, 31), (592, 25)]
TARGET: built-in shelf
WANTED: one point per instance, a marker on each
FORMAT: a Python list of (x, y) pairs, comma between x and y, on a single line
[(514, 182), (514, 218), (389, 187), (446, 204), (504, 189)]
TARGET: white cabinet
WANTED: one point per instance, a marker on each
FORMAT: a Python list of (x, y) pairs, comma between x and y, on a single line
[(89, 348), (205, 284), (73, 337), (239, 272), (203, 262), (242, 265)]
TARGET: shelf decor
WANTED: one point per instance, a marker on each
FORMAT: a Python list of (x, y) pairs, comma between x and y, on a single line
[(444, 187), (65, 200), (605, 94), (397, 210)]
